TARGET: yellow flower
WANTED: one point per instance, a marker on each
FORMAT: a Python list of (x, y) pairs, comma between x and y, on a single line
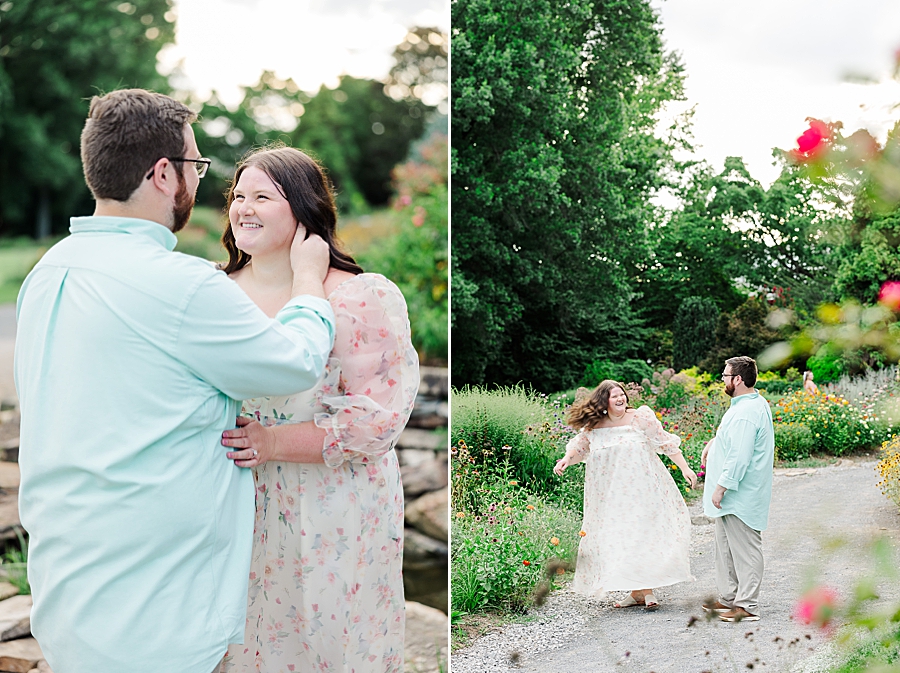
[(460, 515), (554, 541), (582, 533)]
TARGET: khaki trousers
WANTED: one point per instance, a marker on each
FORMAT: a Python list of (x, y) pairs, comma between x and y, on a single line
[(739, 563)]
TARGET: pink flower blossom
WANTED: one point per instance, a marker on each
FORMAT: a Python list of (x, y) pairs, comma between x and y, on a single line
[(890, 295), (817, 606)]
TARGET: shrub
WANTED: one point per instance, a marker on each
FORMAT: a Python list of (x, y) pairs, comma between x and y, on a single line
[(503, 540), (889, 469), (826, 367), (521, 427), (838, 427), (627, 371), (693, 331), (793, 441)]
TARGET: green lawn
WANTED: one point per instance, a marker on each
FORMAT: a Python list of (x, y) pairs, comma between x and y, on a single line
[(16, 259)]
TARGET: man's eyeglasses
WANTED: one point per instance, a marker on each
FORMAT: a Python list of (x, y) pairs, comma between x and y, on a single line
[(727, 375), (201, 164)]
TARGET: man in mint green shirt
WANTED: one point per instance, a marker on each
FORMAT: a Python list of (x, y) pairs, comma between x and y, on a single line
[(737, 492), (130, 361)]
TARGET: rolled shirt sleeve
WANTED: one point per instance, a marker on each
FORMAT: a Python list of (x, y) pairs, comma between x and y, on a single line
[(227, 341), (738, 454)]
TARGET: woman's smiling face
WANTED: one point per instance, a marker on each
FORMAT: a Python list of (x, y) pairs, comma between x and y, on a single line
[(618, 401), (261, 217)]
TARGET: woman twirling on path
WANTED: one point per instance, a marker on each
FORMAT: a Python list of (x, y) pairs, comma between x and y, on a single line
[(637, 527)]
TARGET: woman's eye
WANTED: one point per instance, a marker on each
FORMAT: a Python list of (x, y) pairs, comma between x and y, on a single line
[(238, 197), (261, 197)]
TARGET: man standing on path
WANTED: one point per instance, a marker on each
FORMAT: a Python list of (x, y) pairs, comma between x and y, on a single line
[(130, 361), (738, 490)]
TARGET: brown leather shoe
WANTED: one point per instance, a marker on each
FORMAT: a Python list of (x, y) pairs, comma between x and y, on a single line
[(715, 607), (738, 615)]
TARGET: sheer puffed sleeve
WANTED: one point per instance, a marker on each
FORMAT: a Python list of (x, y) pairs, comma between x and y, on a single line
[(580, 445), (646, 422), (373, 376)]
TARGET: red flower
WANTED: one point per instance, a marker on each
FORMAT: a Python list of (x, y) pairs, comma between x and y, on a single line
[(817, 606), (890, 295), (813, 142), (526, 563)]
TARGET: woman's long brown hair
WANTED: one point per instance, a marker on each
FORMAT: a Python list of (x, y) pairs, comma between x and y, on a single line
[(300, 180), (588, 412)]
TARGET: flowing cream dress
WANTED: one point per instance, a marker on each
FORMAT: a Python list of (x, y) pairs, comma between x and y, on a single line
[(326, 583), (636, 524)]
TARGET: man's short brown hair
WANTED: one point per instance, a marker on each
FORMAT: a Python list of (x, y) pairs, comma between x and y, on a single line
[(745, 368), (126, 132)]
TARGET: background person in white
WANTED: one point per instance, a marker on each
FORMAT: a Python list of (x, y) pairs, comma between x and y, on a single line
[(129, 361), (738, 490)]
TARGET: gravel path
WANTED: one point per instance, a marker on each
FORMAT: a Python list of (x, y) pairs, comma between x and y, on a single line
[(809, 508)]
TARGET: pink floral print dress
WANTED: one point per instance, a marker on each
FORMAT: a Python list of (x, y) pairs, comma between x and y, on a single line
[(637, 527), (326, 583)]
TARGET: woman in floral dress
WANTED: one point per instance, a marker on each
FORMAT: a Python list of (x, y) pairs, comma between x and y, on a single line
[(637, 529), (326, 585)]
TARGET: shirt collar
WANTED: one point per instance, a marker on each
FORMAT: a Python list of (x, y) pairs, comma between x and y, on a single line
[(124, 225), (749, 396)]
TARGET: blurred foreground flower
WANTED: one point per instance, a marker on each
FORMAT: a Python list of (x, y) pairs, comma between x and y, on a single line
[(817, 606), (889, 295), (814, 142)]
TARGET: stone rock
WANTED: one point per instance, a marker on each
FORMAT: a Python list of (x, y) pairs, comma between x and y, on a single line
[(421, 551), (15, 618), (7, 590), (425, 568), (9, 475), (9, 515), (424, 477), (430, 514), (701, 520), (429, 413), (20, 656), (414, 438), (414, 457), (434, 382), (425, 646)]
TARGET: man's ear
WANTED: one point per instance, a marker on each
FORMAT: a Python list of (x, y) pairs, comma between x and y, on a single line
[(163, 178)]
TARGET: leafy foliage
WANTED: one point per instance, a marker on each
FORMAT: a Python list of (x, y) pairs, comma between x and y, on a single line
[(694, 331), (55, 55), (554, 161)]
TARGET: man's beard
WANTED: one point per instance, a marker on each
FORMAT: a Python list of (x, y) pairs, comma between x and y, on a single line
[(184, 204), (729, 389)]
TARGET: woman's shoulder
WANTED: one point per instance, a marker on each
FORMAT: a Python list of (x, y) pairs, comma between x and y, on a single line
[(644, 414), (362, 288)]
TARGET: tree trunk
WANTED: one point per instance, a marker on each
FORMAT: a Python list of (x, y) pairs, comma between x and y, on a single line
[(44, 230)]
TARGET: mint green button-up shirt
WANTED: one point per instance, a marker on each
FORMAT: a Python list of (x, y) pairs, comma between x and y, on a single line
[(129, 363), (741, 460)]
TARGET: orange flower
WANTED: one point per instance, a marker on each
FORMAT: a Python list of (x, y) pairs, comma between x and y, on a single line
[(513, 483), (529, 507), (526, 563), (554, 541), (460, 515), (582, 533)]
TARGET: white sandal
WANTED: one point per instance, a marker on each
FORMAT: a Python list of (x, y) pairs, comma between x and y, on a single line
[(650, 602)]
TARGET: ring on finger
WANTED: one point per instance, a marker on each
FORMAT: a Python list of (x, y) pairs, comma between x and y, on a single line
[(255, 453)]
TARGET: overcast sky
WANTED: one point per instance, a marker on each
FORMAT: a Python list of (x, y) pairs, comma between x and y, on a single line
[(756, 70), (227, 43)]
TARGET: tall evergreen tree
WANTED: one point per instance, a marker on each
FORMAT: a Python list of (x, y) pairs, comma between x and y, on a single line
[(554, 161)]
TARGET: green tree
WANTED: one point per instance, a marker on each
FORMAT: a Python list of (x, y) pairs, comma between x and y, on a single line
[(745, 331), (54, 56), (554, 160), (694, 331)]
